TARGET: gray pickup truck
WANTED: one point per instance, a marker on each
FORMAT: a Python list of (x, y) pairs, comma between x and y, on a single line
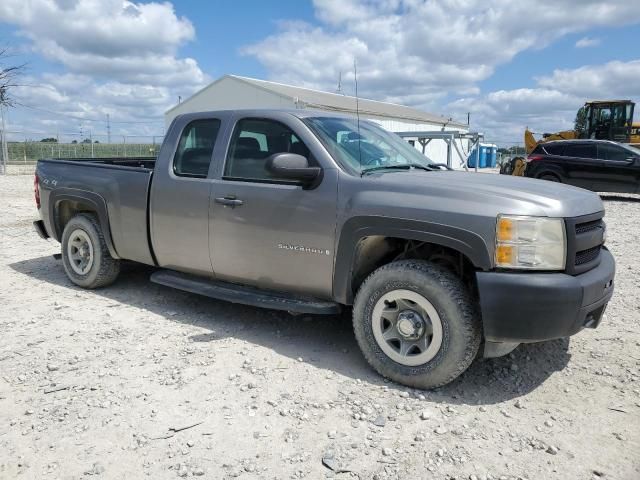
[(311, 212)]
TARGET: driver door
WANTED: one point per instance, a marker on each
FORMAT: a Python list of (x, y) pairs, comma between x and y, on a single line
[(269, 232)]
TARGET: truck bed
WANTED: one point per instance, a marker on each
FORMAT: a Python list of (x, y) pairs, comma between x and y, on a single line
[(132, 162), (120, 186)]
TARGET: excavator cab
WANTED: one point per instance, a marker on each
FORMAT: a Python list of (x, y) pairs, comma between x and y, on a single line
[(607, 120)]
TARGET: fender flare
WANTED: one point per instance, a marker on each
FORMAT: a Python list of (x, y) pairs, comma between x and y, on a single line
[(94, 200), (355, 229)]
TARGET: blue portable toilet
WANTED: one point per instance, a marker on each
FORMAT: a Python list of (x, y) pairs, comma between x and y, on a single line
[(492, 155), (471, 161)]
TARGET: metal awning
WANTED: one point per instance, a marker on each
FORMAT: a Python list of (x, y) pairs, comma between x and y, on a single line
[(449, 137)]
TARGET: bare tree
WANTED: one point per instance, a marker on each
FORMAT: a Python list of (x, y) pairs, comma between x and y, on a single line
[(8, 78)]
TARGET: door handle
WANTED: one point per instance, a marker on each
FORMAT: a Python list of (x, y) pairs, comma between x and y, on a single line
[(229, 201)]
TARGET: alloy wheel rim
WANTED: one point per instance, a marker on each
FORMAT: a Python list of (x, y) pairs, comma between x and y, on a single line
[(407, 327)]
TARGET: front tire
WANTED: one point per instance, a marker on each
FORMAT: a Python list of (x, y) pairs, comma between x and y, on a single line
[(416, 323), (85, 256)]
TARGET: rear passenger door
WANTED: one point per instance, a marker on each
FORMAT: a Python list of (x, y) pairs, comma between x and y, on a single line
[(618, 173), (179, 201), (582, 166)]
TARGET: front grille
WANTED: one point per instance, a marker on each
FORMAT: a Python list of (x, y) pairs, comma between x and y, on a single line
[(586, 256), (588, 226), (584, 242)]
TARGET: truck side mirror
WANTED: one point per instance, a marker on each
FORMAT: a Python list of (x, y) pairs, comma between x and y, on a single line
[(292, 166)]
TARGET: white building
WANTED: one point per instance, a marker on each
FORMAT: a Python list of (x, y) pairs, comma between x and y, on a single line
[(234, 92)]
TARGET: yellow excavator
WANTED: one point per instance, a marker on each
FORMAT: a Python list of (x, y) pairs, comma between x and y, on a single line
[(598, 119)]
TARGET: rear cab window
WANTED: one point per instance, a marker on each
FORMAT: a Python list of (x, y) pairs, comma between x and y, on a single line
[(195, 148)]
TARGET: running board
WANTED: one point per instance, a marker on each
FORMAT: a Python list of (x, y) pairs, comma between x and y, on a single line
[(233, 293)]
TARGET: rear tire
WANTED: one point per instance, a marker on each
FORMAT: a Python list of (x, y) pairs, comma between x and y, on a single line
[(85, 256), (436, 333), (550, 177)]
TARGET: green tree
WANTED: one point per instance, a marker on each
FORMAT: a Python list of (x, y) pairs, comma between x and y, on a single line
[(49, 140)]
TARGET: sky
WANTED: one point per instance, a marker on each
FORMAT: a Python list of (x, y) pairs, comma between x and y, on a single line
[(509, 64)]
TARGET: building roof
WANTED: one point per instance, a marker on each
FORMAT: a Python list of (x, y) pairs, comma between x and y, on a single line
[(309, 98)]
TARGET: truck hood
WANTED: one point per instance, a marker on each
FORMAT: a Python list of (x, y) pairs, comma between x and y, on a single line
[(494, 193)]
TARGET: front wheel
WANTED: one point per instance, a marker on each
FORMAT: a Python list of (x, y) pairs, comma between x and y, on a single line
[(85, 255), (416, 323)]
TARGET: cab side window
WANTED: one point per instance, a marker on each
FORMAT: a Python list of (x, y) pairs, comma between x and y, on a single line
[(253, 141), (195, 148)]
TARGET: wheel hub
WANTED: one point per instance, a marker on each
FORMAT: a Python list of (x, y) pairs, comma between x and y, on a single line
[(410, 324), (407, 327), (80, 252)]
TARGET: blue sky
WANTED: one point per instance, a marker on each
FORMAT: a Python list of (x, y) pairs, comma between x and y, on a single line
[(512, 64), (225, 26)]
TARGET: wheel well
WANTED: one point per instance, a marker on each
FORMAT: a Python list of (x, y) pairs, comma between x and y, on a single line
[(67, 209), (374, 251)]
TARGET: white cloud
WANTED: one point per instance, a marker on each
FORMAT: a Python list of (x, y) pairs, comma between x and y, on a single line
[(421, 51), (613, 79), (68, 103), (120, 58), (586, 42), (130, 42), (553, 103)]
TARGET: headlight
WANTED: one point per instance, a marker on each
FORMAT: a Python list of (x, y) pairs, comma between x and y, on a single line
[(536, 243)]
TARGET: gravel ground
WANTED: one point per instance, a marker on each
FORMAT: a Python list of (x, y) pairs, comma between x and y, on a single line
[(140, 380)]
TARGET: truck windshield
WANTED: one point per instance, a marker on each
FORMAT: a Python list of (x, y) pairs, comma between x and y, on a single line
[(369, 147)]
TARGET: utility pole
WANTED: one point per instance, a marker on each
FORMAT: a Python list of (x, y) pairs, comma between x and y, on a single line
[(108, 129), (3, 143), (468, 118)]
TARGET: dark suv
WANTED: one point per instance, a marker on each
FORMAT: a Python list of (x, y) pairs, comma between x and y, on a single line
[(598, 165)]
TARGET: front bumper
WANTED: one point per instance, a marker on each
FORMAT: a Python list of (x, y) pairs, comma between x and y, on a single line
[(532, 307)]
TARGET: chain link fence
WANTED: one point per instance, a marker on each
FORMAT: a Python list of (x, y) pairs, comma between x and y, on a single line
[(20, 152)]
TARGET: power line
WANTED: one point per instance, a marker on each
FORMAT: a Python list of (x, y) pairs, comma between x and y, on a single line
[(86, 119), (77, 134)]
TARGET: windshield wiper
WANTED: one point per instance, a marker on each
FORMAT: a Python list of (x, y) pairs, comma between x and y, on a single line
[(404, 166)]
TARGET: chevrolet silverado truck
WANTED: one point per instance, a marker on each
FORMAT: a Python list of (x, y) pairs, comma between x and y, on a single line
[(314, 213)]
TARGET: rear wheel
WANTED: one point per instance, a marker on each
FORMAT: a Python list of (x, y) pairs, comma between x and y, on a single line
[(416, 323), (550, 177), (85, 255)]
